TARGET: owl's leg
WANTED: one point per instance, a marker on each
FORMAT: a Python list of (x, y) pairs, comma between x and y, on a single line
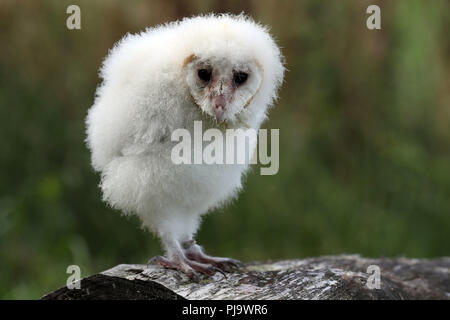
[(194, 252), (176, 259)]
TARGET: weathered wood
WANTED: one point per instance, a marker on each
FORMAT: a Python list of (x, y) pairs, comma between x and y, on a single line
[(331, 277)]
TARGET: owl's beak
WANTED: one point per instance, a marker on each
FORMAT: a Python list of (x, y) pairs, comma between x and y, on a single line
[(219, 109), (219, 114)]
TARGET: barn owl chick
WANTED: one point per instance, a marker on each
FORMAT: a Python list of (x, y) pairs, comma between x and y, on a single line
[(222, 70)]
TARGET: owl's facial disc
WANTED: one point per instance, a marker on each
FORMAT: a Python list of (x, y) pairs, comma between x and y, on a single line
[(221, 88)]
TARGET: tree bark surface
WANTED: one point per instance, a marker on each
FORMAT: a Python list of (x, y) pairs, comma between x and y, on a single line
[(330, 277)]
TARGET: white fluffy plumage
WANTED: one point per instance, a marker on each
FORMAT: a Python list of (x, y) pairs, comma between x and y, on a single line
[(150, 88)]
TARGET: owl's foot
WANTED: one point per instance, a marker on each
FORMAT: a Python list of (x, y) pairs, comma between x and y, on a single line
[(195, 253), (189, 267), (224, 264)]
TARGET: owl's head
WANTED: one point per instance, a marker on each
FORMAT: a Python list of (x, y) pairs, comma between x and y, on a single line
[(232, 67), (222, 87)]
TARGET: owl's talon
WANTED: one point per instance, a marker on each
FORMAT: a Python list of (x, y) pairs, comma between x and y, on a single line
[(204, 268), (178, 265), (228, 264), (223, 264), (219, 270), (190, 268)]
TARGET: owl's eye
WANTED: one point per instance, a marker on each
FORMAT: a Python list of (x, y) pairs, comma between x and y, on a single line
[(204, 74), (240, 77)]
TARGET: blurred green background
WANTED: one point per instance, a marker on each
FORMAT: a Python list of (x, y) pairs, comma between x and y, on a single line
[(364, 138)]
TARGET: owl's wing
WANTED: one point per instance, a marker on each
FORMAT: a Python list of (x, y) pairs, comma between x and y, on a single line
[(152, 137), (114, 131)]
